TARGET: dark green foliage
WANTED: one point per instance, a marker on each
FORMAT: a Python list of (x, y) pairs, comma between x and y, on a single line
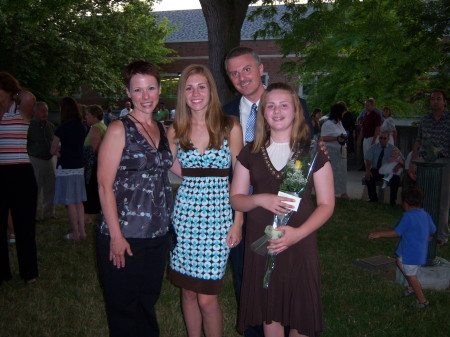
[(351, 50), (54, 47)]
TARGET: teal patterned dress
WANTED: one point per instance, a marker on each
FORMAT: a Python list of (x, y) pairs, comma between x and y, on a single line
[(202, 217)]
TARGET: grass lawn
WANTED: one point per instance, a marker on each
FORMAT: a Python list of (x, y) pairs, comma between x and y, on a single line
[(67, 300)]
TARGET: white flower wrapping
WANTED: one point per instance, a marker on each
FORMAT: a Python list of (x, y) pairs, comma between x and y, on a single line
[(294, 203)]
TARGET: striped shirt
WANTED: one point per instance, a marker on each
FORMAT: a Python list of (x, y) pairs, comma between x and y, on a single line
[(13, 138)]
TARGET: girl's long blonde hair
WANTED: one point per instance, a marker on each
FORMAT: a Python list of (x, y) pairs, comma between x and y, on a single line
[(300, 134), (219, 125)]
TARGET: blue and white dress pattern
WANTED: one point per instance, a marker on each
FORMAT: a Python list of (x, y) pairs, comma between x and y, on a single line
[(202, 216)]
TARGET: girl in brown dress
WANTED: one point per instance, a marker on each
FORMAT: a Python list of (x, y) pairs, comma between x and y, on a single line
[(293, 298)]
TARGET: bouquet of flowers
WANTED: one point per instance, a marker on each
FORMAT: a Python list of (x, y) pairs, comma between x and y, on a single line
[(295, 178)]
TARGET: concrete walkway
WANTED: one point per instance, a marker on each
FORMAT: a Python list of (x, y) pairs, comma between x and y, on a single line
[(355, 188)]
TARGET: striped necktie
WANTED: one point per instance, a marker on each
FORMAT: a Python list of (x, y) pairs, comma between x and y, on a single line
[(250, 128)]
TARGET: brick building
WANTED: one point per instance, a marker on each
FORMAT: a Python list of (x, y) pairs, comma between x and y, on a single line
[(190, 42)]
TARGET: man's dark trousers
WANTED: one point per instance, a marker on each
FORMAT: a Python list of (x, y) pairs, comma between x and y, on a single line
[(394, 183)]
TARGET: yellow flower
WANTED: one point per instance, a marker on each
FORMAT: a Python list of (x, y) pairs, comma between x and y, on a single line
[(298, 164)]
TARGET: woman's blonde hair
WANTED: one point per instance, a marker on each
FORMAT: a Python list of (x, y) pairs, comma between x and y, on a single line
[(218, 124), (300, 133)]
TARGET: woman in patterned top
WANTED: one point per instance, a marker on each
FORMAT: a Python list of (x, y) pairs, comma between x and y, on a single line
[(206, 143), (136, 199), (19, 188)]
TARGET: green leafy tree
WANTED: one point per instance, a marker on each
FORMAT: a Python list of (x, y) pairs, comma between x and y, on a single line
[(350, 50), (224, 20), (54, 47)]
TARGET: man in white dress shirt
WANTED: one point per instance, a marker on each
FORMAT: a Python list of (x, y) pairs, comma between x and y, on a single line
[(125, 111), (245, 69)]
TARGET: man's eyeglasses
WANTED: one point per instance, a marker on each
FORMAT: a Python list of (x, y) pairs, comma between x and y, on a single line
[(383, 137)]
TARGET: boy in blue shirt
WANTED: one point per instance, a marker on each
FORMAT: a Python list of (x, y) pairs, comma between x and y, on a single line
[(415, 229)]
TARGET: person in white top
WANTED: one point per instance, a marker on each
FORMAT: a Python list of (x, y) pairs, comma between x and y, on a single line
[(388, 126), (393, 166), (125, 111), (335, 137)]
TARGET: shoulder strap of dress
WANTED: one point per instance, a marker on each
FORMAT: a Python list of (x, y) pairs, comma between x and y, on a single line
[(161, 129), (162, 135), (127, 123)]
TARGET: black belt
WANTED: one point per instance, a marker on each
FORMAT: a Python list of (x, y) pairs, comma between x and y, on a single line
[(205, 172)]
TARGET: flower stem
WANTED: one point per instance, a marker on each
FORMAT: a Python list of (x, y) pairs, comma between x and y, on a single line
[(270, 266)]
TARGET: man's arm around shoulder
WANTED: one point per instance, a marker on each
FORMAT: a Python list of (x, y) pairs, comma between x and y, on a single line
[(232, 107)]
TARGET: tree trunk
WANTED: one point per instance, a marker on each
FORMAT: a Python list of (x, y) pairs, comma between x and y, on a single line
[(224, 19)]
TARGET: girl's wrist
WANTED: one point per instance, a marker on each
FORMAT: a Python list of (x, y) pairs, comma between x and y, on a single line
[(237, 223)]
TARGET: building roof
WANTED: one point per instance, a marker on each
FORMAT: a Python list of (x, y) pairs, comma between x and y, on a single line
[(192, 25)]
